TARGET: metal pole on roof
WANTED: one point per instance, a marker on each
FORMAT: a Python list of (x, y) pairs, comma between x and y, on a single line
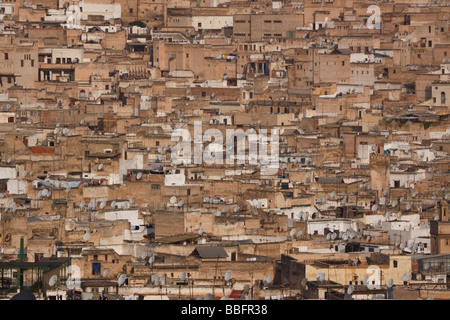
[(19, 270)]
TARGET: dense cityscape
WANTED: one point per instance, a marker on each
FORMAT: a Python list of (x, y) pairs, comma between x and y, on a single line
[(224, 150)]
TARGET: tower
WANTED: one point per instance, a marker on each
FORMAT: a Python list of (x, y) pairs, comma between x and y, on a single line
[(380, 169)]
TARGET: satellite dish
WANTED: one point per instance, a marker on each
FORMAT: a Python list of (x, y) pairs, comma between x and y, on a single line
[(102, 204), (121, 279), (350, 289), (86, 236), (374, 208), (105, 272), (228, 275), (9, 160), (403, 245), (394, 204), (100, 167), (366, 280), (58, 125), (183, 276), (139, 175), (390, 283), (329, 236), (209, 296), (65, 130), (24, 173), (173, 199), (82, 205), (56, 131), (53, 280), (82, 122), (151, 259), (181, 203), (292, 233), (304, 282), (408, 207), (113, 204), (427, 266), (406, 277), (299, 233), (39, 194), (200, 232), (267, 279)]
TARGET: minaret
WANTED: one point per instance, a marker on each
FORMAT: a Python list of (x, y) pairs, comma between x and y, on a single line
[(380, 169)]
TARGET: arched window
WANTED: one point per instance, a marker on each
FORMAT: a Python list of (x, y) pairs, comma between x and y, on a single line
[(442, 97), (82, 94)]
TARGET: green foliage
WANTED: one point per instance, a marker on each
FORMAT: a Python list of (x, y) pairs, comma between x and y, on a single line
[(426, 124), (138, 23), (35, 287)]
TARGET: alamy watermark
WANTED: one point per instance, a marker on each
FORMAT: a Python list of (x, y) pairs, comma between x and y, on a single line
[(374, 21), (239, 147)]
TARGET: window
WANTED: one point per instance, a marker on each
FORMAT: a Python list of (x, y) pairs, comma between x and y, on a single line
[(32, 63), (6, 56), (395, 263), (442, 97), (96, 268), (21, 63), (155, 186)]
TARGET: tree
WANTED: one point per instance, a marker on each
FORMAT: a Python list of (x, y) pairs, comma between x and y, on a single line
[(138, 23)]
